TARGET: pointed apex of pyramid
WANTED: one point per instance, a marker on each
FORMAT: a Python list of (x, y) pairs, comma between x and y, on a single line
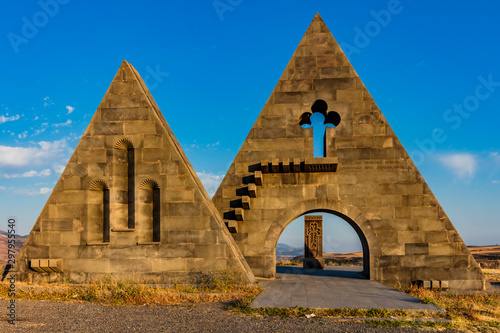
[(125, 65), (317, 26), (124, 74)]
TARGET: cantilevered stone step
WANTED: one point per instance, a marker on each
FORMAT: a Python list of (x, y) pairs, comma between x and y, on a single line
[(232, 226), (240, 214), (245, 202), (252, 190), (258, 178)]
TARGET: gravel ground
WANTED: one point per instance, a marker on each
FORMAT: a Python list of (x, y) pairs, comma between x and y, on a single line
[(43, 316)]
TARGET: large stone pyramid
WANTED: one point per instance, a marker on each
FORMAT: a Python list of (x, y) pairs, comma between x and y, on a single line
[(129, 203), (366, 177)]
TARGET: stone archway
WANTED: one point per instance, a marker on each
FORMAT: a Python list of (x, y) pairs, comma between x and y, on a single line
[(362, 238), (362, 227)]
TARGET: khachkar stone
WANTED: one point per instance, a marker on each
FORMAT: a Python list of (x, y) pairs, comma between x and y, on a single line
[(129, 204), (313, 242), (365, 177)]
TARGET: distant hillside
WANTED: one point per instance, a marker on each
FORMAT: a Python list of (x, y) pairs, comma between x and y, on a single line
[(486, 256), (4, 245), (287, 250)]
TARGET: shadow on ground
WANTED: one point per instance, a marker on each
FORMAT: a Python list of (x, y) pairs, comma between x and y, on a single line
[(355, 272)]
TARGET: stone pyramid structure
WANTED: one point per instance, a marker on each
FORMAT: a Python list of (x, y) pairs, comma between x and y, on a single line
[(365, 177), (129, 204)]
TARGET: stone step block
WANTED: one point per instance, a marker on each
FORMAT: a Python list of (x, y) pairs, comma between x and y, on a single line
[(240, 214), (286, 165), (296, 165), (275, 165), (264, 166), (232, 226), (252, 190), (245, 202), (258, 178)]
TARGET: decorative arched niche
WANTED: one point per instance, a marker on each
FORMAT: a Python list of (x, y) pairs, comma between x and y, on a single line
[(149, 221), (98, 212)]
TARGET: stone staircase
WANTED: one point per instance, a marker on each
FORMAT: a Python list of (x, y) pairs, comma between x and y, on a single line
[(248, 192)]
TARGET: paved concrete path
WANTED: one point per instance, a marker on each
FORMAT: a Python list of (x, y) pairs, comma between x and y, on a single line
[(335, 287)]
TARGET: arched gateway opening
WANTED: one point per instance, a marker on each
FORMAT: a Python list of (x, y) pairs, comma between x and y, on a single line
[(291, 240)]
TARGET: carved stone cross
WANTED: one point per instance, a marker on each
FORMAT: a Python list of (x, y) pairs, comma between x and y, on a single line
[(313, 242)]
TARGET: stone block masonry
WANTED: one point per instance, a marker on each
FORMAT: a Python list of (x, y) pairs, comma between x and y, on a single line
[(365, 177), (129, 204)]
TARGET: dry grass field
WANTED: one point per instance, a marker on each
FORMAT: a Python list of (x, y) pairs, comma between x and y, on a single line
[(477, 312)]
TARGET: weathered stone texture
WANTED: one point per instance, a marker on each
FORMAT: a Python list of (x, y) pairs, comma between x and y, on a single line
[(375, 186), (67, 240)]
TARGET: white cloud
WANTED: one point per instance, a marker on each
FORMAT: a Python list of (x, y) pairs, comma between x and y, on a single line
[(36, 118), (495, 157), (213, 145), (47, 101), (22, 156), (42, 129), (26, 191), (462, 165), (70, 109), (210, 181), (67, 123), (59, 169), (4, 119), (45, 190), (29, 174), (495, 181), (23, 135), (38, 131)]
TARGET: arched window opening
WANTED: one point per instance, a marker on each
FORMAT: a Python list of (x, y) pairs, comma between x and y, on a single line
[(149, 223), (156, 214), (125, 174), (98, 225), (131, 187)]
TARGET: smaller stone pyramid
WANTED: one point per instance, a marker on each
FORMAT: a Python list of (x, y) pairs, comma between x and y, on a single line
[(129, 204)]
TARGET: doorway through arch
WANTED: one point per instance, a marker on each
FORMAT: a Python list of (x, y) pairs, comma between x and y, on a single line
[(338, 237)]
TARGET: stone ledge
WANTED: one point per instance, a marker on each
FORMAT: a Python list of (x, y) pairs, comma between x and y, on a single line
[(148, 243), (123, 230), (433, 284), (46, 265), (321, 164), (316, 164), (97, 244)]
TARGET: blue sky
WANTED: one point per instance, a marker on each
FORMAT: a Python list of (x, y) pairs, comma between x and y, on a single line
[(432, 68)]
